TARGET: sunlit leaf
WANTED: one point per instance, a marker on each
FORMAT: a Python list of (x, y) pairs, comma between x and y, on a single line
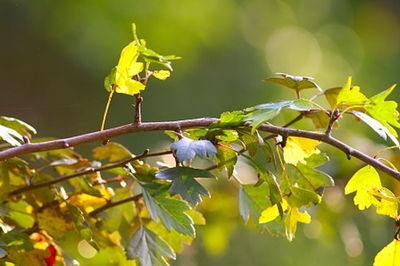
[(11, 136), (21, 127), (148, 248), (55, 221), (362, 182), (161, 74), (252, 200), (294, 82), (271, 213), (350, 96), (187, 149), (184, 182), (389, 255), (387, 204), (297, 149), (302, 197), (112, 151), (293, 217), (174, 239), (384, 111), (226, 157)]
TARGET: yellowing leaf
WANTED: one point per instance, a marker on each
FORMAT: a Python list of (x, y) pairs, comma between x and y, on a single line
[(55, 221), (387, 202), (384, 111), (297, 149), (350, 96), (271, 213), (293, 217), (128, 67), (363, 182), (86, 202), (389, 255), (161, 74)]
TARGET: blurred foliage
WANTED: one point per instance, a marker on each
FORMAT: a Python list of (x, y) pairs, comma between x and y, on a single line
[(55, 56)]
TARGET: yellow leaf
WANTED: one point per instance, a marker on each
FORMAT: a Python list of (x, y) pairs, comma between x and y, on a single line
[(363, 182), (128, 67), (297, 149), (293, 217), (161, 74), (387, 203), (350, 96), (86, 202), (389, 255), (54, 221), (271, 213)]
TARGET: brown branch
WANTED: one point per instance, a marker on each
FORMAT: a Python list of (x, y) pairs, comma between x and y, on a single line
[(138, 108), (113, 204), (190, 123), (145, 154)]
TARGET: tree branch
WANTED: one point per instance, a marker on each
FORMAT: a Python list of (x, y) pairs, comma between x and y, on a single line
[(145, 154), (190, 123)]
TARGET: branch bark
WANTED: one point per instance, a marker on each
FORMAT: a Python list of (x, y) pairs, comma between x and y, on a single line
[(191, 123)]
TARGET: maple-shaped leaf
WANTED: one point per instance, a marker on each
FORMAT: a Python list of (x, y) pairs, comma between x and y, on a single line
[(389, 255), (384, 111), (302, 197), (229, 119), (253, 200), (170, 211), (271, 213), (184, 182), (382, 131), (24, 129), (363, 182), (350, 96), (226, 157), (293, 217), (187, 149), (149, 248), (297, 83), (11, 136), (297, 149)]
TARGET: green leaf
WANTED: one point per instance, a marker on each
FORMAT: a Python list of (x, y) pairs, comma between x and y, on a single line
[(21, 127), (16, 239), (350, 96), (226, 157), (170, 211), (294, 82), (109, 81), (382, 131), (253, 200), (302, 197), (21, 212), (384, 111), (112, 151), (319, 118), (229, 119), (331, 96), (187, 149), (362, 182), (184, 182), (251, 142), (148, 248)]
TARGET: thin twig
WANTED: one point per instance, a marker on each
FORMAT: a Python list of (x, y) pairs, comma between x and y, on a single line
[(145, 154), (138, 108), (116, 203)]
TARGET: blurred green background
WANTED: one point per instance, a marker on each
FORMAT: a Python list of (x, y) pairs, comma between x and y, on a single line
[(55, 55)]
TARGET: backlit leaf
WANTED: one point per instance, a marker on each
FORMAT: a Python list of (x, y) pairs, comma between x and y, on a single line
[(297, 149), (293, 217), (21, 127), (271, 213), (253, 200), (112, 151), (389, 255), (184, 182), (226, 157), (161, 74), (293, 82), (362, 182), (350, 96), (387, 204), (11, 136)]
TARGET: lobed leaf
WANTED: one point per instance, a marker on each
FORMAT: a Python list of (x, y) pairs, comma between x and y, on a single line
[(187, 149), (297, 149), (294, 82)]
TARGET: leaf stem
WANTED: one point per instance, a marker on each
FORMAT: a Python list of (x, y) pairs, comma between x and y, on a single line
[(103, 122)]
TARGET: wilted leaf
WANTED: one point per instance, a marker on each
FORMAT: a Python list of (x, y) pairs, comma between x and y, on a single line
[(184, 182), (187, 149), (297, 149), (389, 255), (148, 248), (229, 119), (362, 182)]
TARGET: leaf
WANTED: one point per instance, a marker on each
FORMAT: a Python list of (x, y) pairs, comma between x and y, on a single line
[(20, 126), (21, 212), (174, 239), (387, 204), (55, 221), (226, 157), (184, 182), (297, 149), (294, 82), (112, 151), (331, 96), (161, 74), (229, 119), (128, 67), (81, 225), (253, 200), (11, 136), (148, 248), (362, 182), (320, 119), (350, 96), (382, 131), (389, 255), (271, 213), (302, 197), (251, 142), (170, 211), (293, 217), (109, 80), (384, 111), (187, 149), (16, 239)]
